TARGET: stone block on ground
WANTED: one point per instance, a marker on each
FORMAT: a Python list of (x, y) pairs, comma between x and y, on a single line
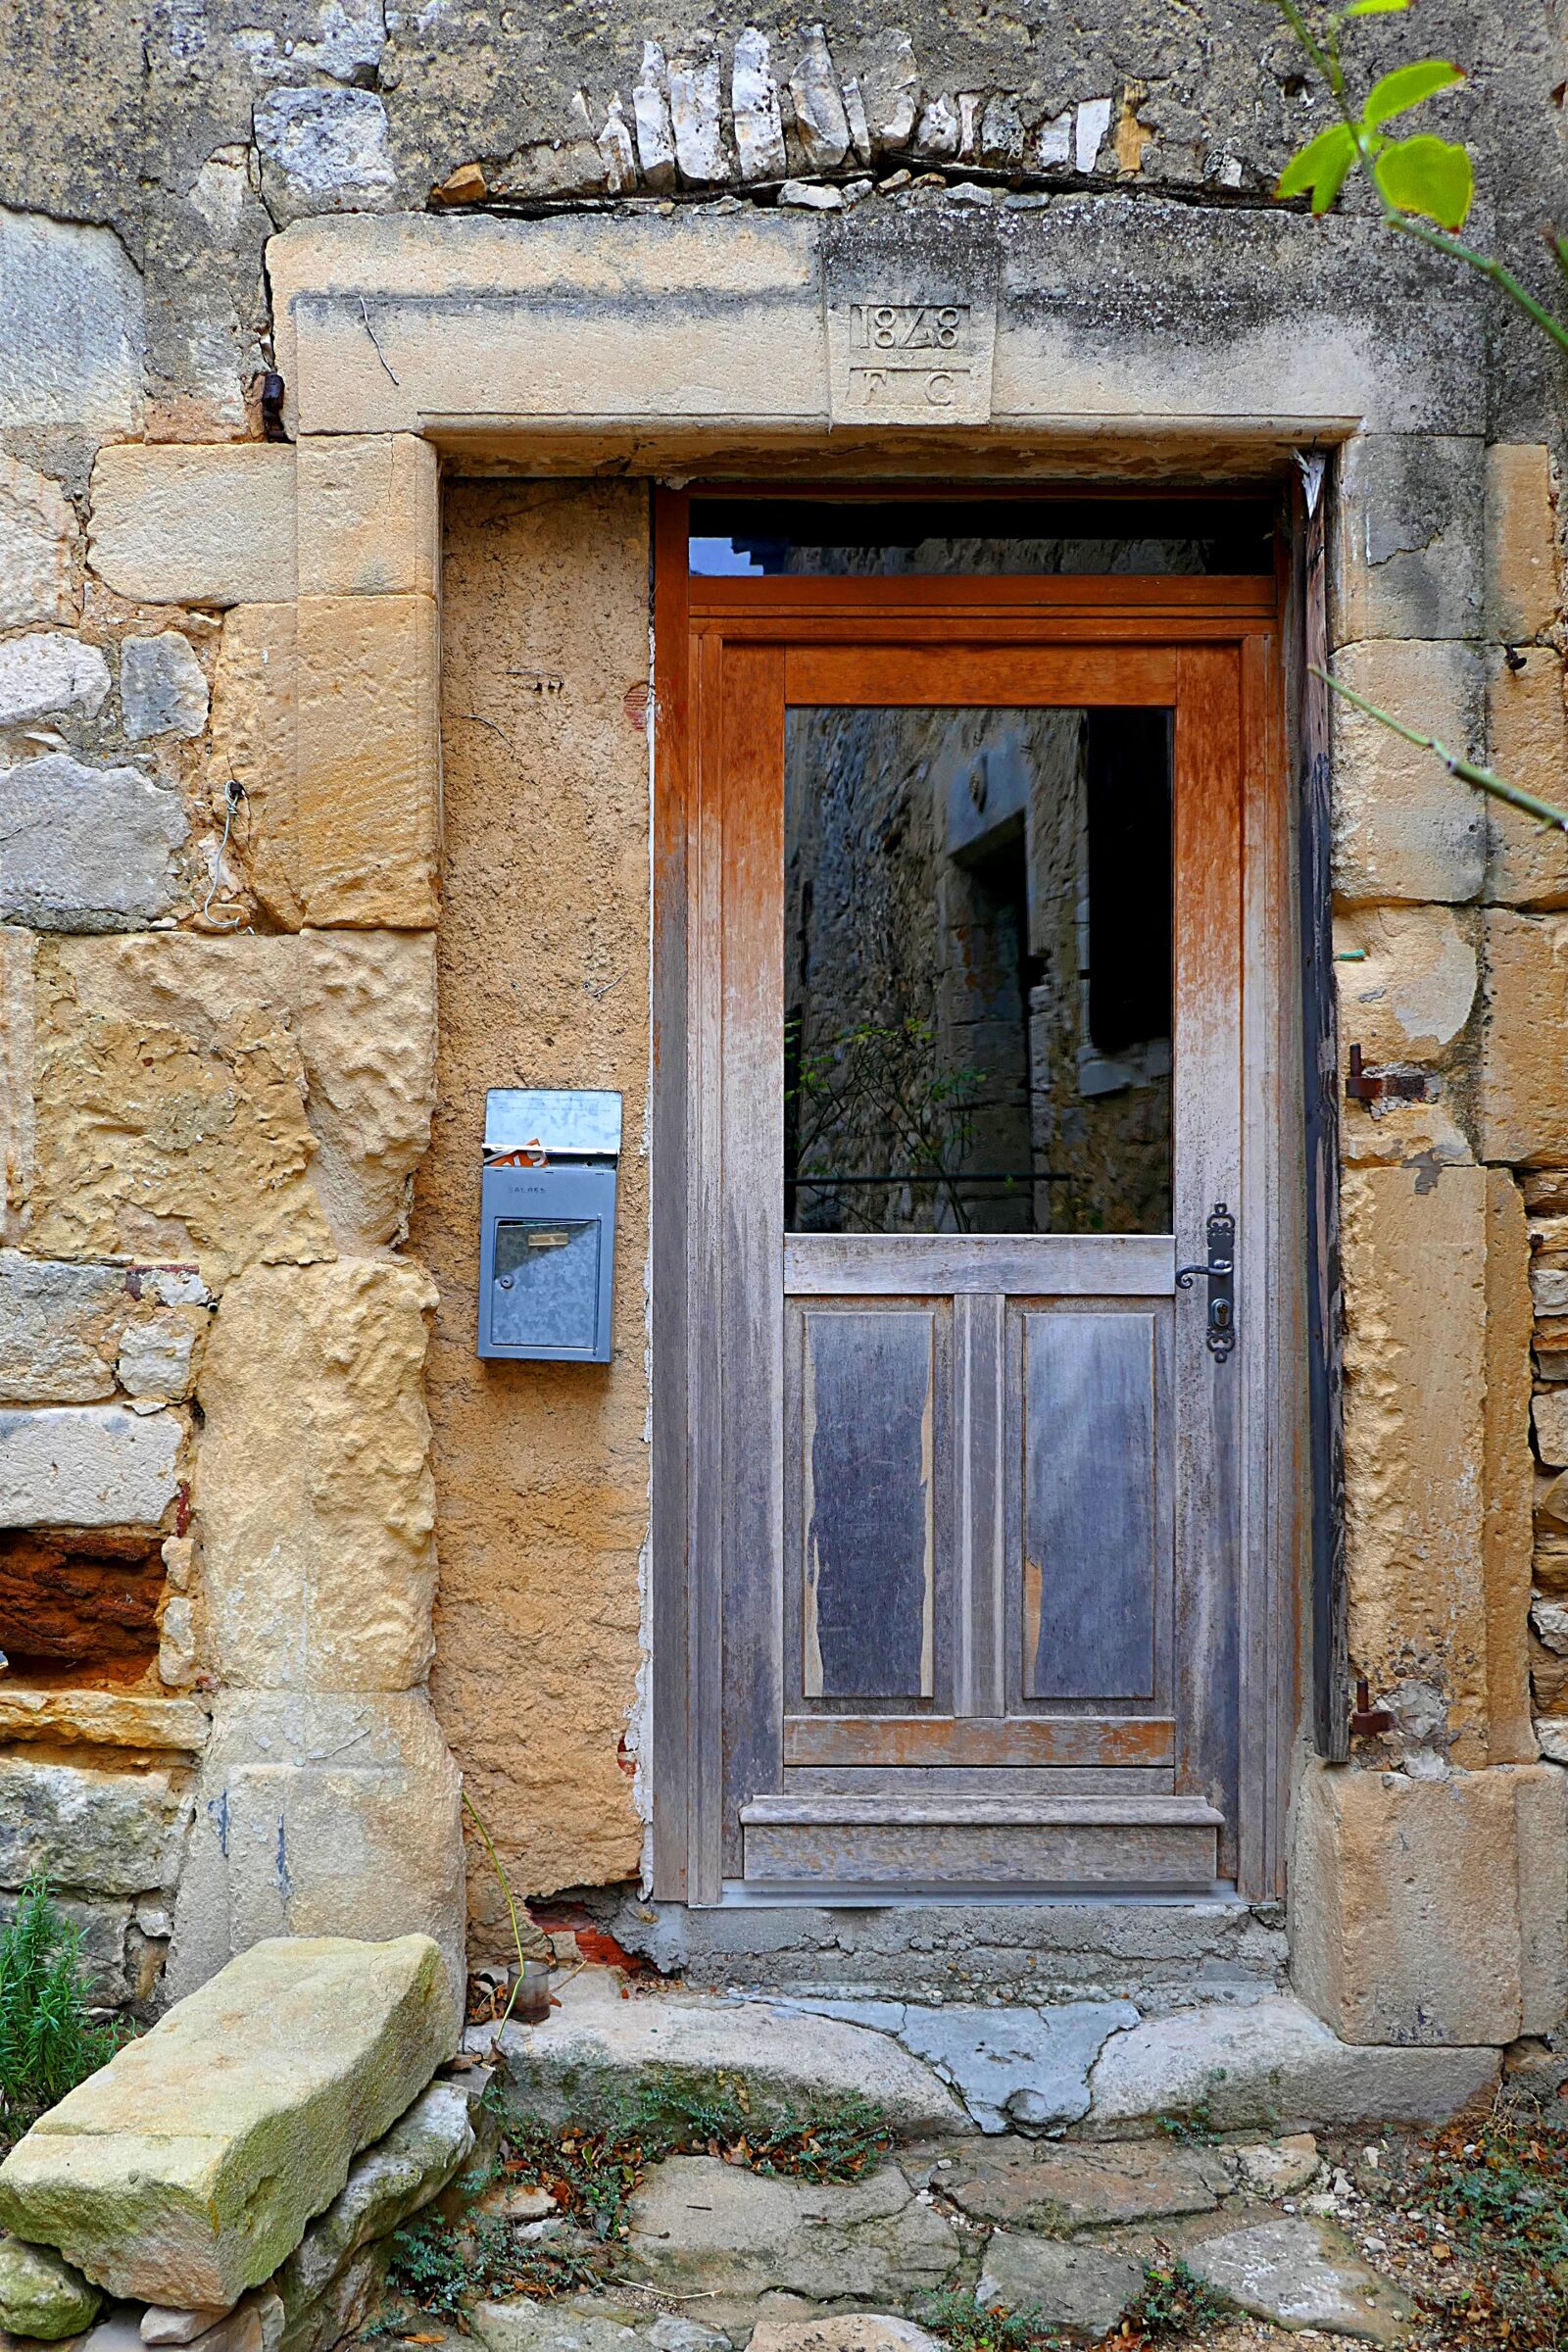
[(393, 2178), (596, 2048), (1083, 2287), (174, 523), (849, 2332), (186, 2171), (86, 849), (324, 1814), (1058, 2186), (1273, 2063), (610, 2322), (43, 2295), (701, 2226), (1303, 2274)]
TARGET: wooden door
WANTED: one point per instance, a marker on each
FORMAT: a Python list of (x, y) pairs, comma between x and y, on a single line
[(964, 1510)]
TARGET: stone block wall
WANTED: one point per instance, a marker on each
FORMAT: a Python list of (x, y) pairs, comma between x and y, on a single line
[(220, 883), (218, 873)]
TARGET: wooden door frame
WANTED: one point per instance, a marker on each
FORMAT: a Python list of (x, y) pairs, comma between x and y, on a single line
[(1245, 614)]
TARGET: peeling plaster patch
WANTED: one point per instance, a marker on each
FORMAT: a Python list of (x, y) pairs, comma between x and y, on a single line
[(348, 47)]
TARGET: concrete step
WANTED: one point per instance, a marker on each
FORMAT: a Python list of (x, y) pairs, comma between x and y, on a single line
[(1098, 2068)]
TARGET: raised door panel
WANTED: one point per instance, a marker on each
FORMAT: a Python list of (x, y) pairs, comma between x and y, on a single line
[(1091, 1551)]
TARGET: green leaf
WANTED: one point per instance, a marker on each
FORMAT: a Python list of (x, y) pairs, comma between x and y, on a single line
[(1405, 87), (1321, 165), (1430, 177), (1377, 7)]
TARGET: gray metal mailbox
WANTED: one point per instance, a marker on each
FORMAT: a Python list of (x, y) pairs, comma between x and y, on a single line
[(547, 1224)]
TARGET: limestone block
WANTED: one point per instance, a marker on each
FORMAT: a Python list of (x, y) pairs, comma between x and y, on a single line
[(367, 1031), (1415, 1289), (254, 710), (1540, 1817), (314, 1481), (155, 1359), (86, 849), (73, 326), (1523, 592), (1522, 1095), (704, 2227), (367, 804), (1419, 1915), (595, 2051), (1410, 994), (1402, 827), (324, 151), (48, 675), (271, 1095), (1507, 1475), (1527, 744), (319, 1815), (186, 2169), (1084, 2287), (180, 523), (368, 516), (1548, 1419), (94, 1830), (1407, 541), (18, 951), (37, 529), (1272, 2062), (42, 2296), (59, 1328), (1303, 2272), (162, 687), (101, 1719), (87, 1465), (393, 2178)]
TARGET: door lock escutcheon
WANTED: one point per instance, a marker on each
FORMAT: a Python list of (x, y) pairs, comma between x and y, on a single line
[(1220, 1269)]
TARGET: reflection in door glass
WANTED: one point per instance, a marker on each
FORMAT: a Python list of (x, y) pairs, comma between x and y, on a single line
[(977, 972)]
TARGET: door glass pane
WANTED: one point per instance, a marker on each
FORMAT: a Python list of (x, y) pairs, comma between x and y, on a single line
[(977, 972), (754, 538)]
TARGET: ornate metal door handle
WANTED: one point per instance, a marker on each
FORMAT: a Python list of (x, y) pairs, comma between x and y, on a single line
[(1220, 1270)]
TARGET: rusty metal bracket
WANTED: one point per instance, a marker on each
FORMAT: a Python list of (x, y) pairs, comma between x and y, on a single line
[(1367, 1721), (1375, 1086)]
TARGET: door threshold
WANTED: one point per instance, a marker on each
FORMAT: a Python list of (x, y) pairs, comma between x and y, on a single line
[(738, 1895)]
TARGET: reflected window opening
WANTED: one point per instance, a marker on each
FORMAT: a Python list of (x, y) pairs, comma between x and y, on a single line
[(978, 946)]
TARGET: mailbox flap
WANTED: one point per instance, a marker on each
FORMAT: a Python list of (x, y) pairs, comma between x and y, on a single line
[(559, 1123)]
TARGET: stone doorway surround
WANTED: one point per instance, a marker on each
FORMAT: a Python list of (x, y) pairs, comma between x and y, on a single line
[(1115, 340)]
